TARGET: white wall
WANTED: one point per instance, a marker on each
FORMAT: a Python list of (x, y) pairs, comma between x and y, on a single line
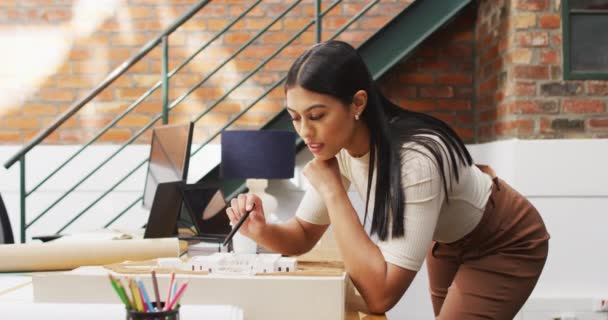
[(566, 179)]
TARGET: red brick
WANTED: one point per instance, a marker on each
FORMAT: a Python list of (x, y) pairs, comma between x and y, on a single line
[(88, 67), (454, 105), (437, 92), (278, 64), (237, 38), (402, 92), (533, 107), (10, 136), (116, 135), (550, 21), (583, 106), (463, 35), (556, 73), (458, 50), (129, 93), (522, 126), (194, 25), (545, 125), (269, 105), (523, 88), (431, 64), (500, 96), (456, 78), (77, 81), (355, 37), (597, 88), (520, 56), (524, 20), (532, 5), (531, 72), (532, 39), (276, 37), (419, 104), (35, 109), (490, 54), (372, 23), (61, 95), (417, 78), (486, 131), (488, 85), (598, 123), (140, 12), (260, 23), (21, 122), (550, 56), (489, 115), (134, 120), (131, 39), (214, 24), (556, 40), (466, 134)]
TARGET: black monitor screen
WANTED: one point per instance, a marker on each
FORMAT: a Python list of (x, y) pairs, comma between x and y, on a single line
[(169, 156)]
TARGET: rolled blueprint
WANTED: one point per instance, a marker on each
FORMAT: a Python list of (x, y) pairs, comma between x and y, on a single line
[(65, 255)]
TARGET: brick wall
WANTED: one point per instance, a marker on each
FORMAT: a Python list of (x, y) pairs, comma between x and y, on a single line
[(438, 77), (519, 82), (59, 50)]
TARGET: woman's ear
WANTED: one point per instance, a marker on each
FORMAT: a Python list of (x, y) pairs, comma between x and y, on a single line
[(359, 102)]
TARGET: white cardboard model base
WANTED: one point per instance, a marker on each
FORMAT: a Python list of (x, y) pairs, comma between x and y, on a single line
[(260, 297)]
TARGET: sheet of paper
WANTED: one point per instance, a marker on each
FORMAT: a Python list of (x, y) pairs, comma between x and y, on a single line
[(16, 289)]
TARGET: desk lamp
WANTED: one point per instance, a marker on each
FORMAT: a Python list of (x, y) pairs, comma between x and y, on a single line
[(258, 155)]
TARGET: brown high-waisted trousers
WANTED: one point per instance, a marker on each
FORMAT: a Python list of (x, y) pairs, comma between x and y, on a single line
[(489, 273)]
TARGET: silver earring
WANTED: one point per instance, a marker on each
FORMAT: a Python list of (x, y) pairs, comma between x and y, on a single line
[(357, 117)]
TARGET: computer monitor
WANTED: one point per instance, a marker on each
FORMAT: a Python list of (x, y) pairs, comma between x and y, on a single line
[(169, 157)]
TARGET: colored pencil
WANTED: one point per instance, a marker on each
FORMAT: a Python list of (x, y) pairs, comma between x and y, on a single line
[(156, 293), (177, 296)]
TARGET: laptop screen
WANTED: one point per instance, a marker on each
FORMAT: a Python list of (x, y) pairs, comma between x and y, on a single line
[(204, 210)]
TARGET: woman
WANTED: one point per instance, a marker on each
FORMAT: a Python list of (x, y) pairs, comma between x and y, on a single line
[(485, 245)]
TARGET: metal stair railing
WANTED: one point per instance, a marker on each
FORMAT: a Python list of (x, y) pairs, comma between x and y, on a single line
[(166, 107)]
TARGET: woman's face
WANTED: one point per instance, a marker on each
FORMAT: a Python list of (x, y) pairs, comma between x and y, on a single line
[(324, 123)]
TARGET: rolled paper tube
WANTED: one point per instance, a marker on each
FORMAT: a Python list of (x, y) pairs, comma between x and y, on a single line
[(66, 255)]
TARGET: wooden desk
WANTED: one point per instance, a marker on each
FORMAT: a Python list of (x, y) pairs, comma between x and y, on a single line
[(330, 255)]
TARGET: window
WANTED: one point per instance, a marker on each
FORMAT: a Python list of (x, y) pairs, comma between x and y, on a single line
[(585, 39)]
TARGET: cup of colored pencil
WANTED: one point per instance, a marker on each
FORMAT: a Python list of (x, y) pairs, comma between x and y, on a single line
[(139, 304)]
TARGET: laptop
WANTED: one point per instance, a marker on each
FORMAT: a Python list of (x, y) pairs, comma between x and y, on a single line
[(199, 208), (203, 212)]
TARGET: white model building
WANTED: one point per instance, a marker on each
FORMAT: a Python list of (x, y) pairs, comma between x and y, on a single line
[(232, 263)]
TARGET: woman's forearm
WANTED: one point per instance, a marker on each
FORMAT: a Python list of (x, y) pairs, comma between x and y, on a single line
[(288, 238), (362, 258)]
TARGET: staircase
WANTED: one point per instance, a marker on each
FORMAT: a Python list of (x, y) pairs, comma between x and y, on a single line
[(381, 49)]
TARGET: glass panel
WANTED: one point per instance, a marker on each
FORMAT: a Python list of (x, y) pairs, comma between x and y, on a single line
[(589, 43), (589, 4)]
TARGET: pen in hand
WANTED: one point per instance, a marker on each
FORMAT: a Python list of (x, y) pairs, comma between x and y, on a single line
[(238, 225)]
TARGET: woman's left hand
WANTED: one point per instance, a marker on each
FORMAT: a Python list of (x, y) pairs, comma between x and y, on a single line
[(324, 175)]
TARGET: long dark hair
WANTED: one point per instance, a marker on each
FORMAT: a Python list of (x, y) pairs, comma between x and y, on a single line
[(335, 68)]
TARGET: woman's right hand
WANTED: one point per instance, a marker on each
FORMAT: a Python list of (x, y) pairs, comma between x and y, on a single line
[(255, 223)]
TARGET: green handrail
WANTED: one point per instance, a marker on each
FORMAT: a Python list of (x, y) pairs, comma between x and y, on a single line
[(234, 54), (105, 83), (174, 104), (276, 84), (166, 106), (143, 97)]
